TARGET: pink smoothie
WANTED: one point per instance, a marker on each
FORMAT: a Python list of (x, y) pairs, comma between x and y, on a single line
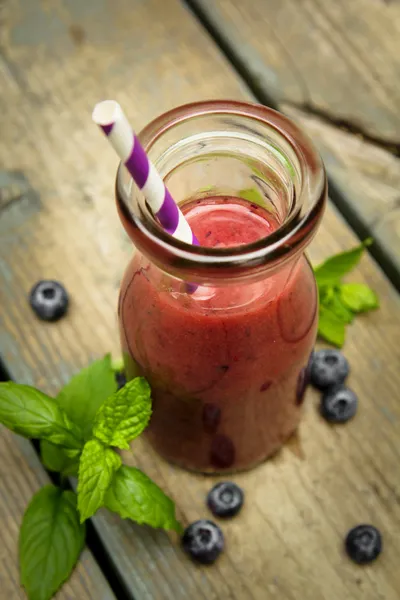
[(227, 364)]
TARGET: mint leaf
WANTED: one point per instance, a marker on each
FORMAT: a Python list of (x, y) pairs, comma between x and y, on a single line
[(135, 496), (358, 297), (50, 542), (55, 459), (96, 469), (31, 413), (330, 327), (124, 415), (339, 302), (330, 298), (85, 392), (332, 270)]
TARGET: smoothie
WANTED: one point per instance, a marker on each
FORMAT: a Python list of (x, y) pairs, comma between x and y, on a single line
[(227, 364)]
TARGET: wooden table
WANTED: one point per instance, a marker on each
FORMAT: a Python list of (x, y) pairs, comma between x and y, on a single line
[(327, 64)]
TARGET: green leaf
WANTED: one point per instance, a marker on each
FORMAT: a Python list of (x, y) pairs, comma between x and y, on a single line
[(332, 300), (332, 270), (85, 392), (326, 293), (31, 413), (73, 453), (124, 415), (358, 297), (96, 469), (55, 459), (135, 496), (50, 542), (330, 327)]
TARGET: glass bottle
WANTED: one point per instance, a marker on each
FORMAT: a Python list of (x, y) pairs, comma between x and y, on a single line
[(223, 333)]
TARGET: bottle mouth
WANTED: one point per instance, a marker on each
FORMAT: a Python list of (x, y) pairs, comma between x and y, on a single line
[(215, 148)]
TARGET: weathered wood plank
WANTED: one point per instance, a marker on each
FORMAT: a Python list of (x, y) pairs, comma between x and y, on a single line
[(21, 475), (298, 505), (368, 181), (339, 60)]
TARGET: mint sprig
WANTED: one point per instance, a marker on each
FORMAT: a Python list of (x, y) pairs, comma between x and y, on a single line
[(78, 432), (332, 270), (340, 302)]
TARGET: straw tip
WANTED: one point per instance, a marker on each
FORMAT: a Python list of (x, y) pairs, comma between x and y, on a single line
[(106, 112)]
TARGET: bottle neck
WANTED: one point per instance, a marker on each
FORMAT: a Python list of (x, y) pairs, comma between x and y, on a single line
[(228, 150)]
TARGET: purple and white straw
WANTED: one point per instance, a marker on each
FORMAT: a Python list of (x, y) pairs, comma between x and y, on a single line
[(110, 117)]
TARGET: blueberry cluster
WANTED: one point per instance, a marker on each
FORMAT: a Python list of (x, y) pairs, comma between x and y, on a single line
[(329, 371), (203, 540)]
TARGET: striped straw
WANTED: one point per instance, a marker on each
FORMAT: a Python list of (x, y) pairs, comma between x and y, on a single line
[(110, 117)]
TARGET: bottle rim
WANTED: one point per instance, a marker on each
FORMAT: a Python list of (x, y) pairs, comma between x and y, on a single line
[(198, 263)]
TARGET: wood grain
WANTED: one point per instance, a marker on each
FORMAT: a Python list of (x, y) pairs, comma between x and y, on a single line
[(288, 541), (334, 67), (21, 476), (367, 182), (338, 58)]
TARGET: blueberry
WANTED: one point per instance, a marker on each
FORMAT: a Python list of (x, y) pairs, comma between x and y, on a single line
[(49, 300), (225, 499), (338, 404), (120, 378), (329, 367), (203, 541), (363, 544)]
